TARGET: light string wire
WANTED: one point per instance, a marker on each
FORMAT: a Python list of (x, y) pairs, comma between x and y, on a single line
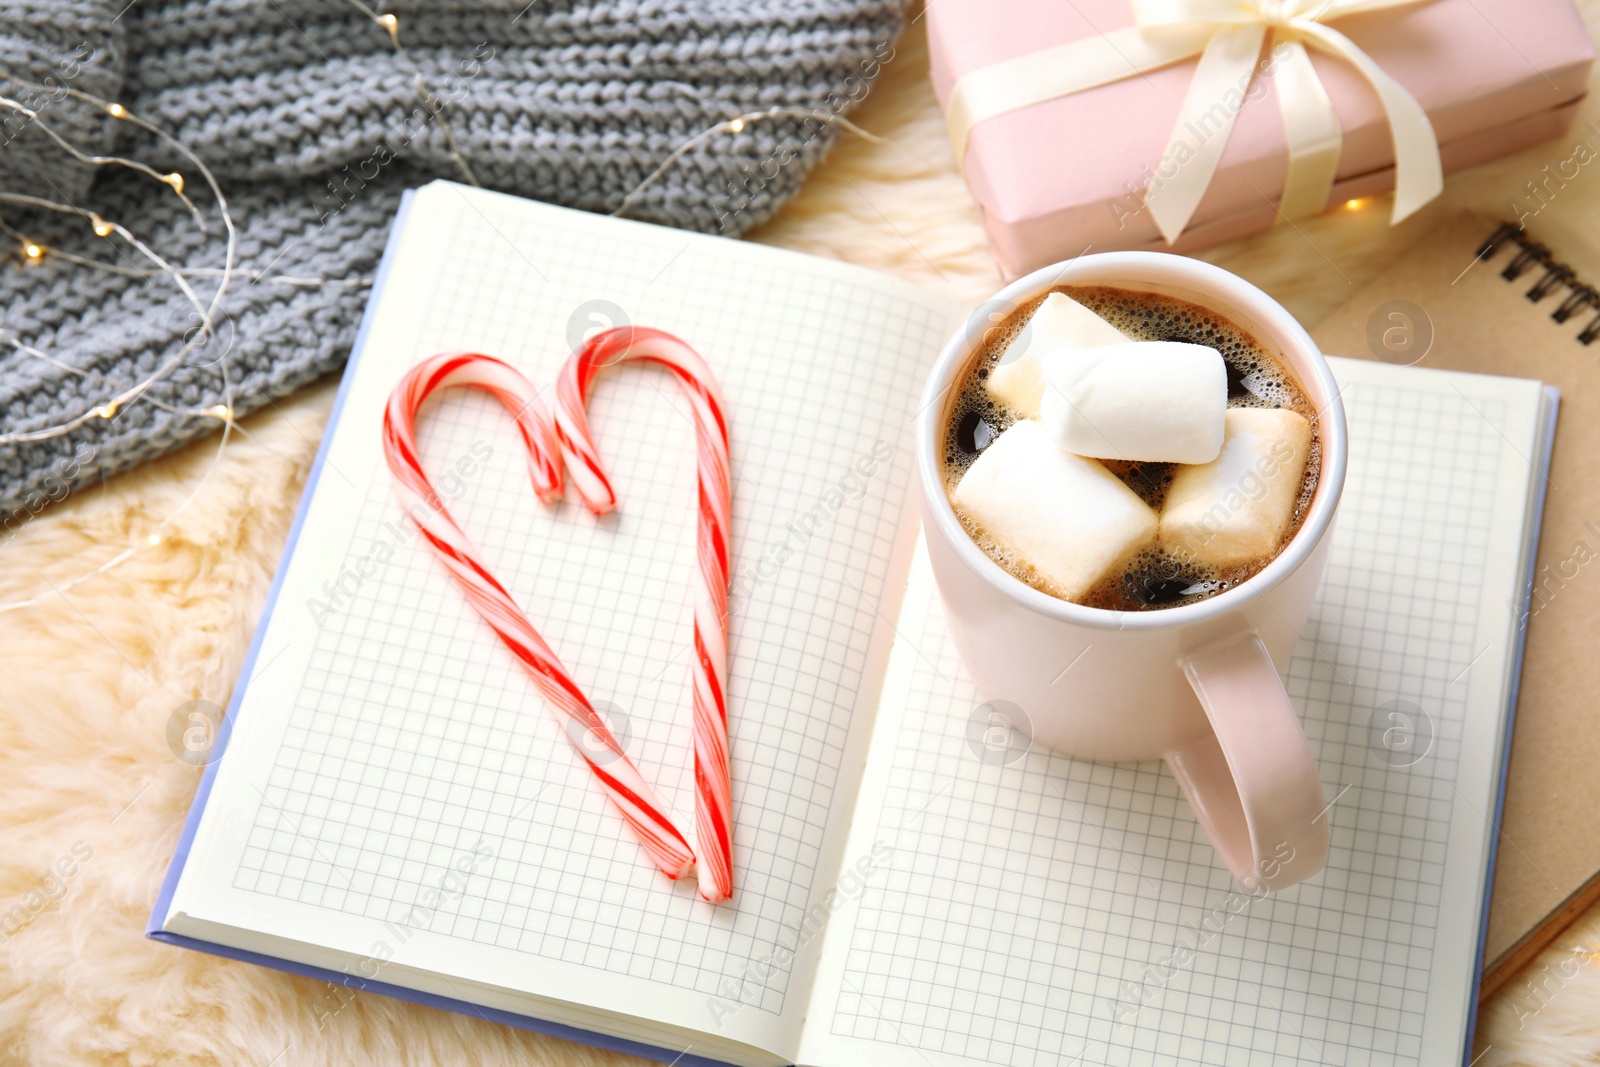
[(388, 22), (206, 311), (430, 100), (736, 125)]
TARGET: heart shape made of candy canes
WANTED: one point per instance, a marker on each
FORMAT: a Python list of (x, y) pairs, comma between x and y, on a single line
[(566, 442)]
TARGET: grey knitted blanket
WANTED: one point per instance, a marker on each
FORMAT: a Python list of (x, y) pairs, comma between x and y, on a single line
[(314, 126)]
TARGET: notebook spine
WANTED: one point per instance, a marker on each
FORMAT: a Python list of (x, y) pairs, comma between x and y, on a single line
[(1555, 277)]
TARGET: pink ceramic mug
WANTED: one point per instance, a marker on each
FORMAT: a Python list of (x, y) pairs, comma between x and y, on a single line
[(1196, 685)]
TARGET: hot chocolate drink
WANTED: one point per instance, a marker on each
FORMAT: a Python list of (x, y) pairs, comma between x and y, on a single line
[(1129, 450)]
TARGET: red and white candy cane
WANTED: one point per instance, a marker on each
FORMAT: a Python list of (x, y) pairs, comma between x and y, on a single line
[(590, 736), (713, 788)]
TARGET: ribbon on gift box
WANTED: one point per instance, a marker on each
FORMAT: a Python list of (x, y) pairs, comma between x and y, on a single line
[(1228, 36)]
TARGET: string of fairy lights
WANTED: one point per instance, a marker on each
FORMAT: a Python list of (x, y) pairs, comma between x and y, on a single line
[(31, 253)]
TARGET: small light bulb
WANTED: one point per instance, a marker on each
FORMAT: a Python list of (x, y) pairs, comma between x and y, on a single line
[(175, 180), (1355, 205), (117, 111), (106, 410), (737, 125), (102, 228), (389, 21), (220, 411), (32, 251), (154, 539)]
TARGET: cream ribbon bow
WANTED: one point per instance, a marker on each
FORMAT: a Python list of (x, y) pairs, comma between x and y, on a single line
[(1227, 35)]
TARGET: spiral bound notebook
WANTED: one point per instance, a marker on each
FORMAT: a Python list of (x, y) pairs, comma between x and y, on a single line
[(1478, 295), (395, 811)]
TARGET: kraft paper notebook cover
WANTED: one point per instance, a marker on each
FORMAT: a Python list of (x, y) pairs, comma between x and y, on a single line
[(1483, 319), (396, 811)]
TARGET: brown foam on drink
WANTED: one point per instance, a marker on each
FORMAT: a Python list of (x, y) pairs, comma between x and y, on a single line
[(1171, 580)]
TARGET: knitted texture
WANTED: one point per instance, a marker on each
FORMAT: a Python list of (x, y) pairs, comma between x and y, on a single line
[(314, 125)]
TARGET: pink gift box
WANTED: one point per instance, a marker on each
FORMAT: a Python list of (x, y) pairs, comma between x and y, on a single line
[(1060, 177)]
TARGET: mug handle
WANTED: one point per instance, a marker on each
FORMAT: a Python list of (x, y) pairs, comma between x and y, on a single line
[(1251, 780)]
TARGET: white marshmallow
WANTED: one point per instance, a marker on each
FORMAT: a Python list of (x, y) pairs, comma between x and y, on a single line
[(1068, 518), (1157, 401), (1238, 507), (1059, 324)]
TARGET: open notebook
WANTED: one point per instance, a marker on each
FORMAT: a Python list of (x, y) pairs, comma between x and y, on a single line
[(395, 809)]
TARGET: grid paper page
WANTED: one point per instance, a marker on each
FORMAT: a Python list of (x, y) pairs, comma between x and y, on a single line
[(1061, 911), (396, 778)]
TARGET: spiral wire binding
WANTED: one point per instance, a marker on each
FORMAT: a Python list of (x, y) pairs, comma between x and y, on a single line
[(1531, 253)]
